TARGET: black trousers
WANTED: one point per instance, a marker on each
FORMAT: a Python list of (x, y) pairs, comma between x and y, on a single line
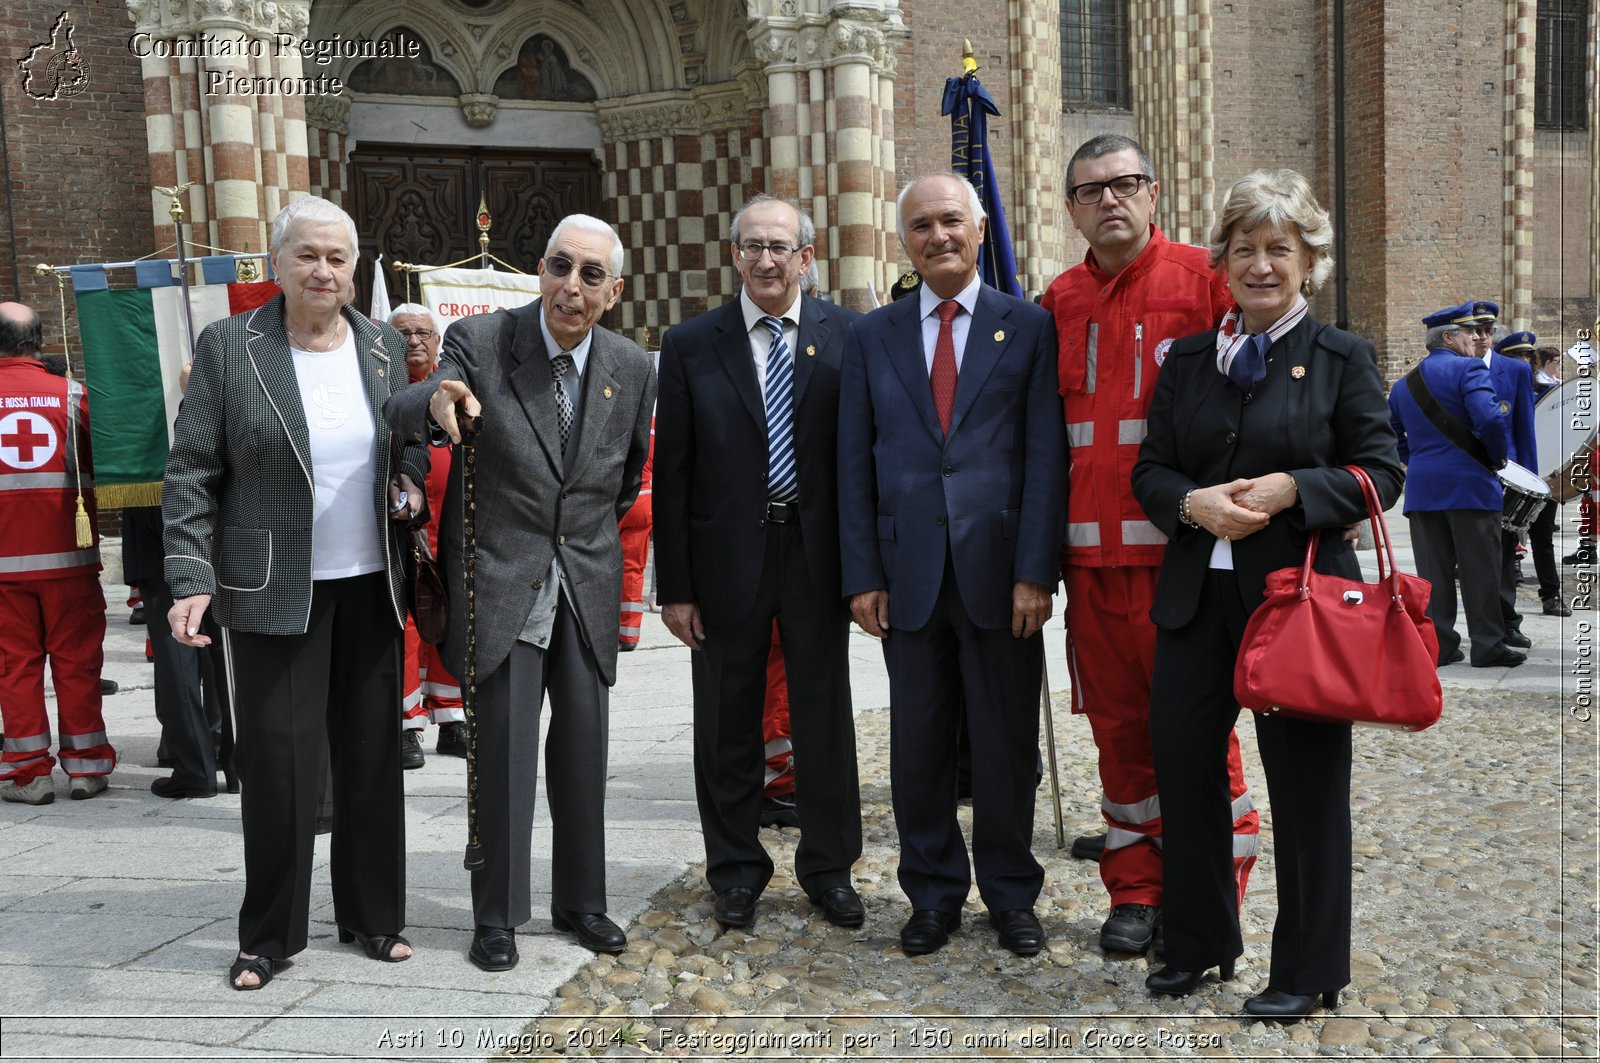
[(180, 699), (1541, 543), (1508, 582), (931, 671), (730, 684), (1307, 765), (506, 715), (1466, 540), (299, 700)]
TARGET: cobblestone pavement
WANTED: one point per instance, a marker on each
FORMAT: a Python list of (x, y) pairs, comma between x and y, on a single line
[(1474, 931)]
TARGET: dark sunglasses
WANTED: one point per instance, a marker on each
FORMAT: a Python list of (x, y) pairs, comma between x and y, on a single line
[(591, 275)]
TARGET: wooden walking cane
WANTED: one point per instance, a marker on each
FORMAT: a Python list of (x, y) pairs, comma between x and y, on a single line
[(1050, 740), (473, 860)]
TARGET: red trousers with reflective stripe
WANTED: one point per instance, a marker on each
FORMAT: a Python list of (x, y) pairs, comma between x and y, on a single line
[(635, 534), (63, 619), (1111, 647), (775, 724), (424, 676)]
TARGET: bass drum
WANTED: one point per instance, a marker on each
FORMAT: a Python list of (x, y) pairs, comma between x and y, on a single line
[(1564, 431)]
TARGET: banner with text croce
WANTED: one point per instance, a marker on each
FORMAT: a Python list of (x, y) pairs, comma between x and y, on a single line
[(453, 293)]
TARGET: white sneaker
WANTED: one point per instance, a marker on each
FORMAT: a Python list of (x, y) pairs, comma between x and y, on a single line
[(39, 791), (87, 786)]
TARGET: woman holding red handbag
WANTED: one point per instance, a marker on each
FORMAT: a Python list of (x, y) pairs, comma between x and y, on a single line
[(1247, 435)]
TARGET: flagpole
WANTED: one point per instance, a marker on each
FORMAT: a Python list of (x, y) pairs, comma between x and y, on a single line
[(176, 211)]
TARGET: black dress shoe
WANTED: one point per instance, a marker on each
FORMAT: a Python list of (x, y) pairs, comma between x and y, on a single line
[(592, 929), (1020, 931), (172, 787), (735, 907), (1287, 1007), (1506, 658), (452, 740), (780, 811), (842, 906), (1456, 657), (1088, 846), (1517, 640), (927, 931), (411, 750), (1555, 606), (493, 949), (1178, 983)]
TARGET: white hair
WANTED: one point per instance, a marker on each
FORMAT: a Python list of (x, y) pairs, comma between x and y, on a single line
[(589, 224), (414, 308), (974, 204), (312, 209)]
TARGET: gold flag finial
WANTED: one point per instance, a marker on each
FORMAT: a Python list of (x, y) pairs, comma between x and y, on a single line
[(969, 65), (174, 193)]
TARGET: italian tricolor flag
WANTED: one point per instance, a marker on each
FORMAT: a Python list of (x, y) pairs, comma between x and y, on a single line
[(134, 349)]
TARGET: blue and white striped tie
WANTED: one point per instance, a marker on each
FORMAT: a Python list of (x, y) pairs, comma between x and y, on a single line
[(783, 481)]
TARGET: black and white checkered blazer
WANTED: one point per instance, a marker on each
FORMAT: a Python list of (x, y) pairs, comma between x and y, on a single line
[(237, 500)]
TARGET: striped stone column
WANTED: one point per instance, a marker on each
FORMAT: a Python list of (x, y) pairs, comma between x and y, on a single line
[(1173, 104), (244, 151), (1592, 80), (1518, 282), (326, 128), (1037, 174)]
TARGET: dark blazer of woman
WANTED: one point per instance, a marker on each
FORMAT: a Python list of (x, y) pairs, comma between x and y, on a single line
[(1321, 406)]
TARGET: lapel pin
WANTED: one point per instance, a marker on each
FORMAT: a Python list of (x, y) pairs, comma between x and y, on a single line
[(380, 372), (606, 393), (999, 334), (1298, 372), (811, 351)]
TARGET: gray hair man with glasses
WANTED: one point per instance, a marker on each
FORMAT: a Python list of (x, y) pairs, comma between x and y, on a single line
[(565, 408), (747, 532), (1117, 313)]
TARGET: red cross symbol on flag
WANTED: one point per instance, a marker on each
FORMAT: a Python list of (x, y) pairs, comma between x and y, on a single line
[(27, 440)]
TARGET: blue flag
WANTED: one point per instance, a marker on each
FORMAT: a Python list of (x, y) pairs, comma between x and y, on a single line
[(969, 105)]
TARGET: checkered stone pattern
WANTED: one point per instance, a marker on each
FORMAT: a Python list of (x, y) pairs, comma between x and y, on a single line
[(1172, 97), (1518, 217), (1035, 200)]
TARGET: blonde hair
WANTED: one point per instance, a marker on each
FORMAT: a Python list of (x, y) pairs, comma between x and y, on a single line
[(1283, 199)]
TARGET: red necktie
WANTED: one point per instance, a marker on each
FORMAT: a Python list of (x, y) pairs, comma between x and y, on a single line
[(943, 377)]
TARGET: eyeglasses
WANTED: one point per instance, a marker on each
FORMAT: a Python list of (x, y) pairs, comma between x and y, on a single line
[(751, 251), (422, 334), (1090, 193), (591, 275)]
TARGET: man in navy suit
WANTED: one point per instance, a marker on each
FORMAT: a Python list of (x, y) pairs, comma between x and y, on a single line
[(952, 500), (1452, 501), (1513, 388), (747, 532)]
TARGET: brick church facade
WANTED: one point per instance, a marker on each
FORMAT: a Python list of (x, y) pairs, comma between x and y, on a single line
[(1454, 140)]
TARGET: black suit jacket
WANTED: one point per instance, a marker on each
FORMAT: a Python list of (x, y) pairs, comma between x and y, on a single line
[(711, 459), (1320, 407)]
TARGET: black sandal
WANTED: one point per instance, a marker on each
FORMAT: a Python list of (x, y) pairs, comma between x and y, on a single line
[(378, 946), (263, 967)]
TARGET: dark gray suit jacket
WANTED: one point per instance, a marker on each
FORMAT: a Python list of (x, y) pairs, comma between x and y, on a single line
[(237, 498), (529, 503)]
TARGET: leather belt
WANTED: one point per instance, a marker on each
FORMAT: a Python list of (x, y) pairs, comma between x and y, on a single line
[(783, 512)]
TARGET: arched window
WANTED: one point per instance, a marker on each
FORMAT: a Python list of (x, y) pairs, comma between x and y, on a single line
[(1094, 53), (1558, 96)]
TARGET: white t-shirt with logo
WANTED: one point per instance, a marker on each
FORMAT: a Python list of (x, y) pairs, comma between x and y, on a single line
[(344, 535)]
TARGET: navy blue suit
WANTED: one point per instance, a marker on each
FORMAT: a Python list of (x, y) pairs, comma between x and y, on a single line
[(1453, 502), (947, 525), (1513, 386)]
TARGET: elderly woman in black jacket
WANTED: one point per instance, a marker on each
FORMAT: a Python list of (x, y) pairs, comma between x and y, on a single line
[(1248, 432), (283, 507)]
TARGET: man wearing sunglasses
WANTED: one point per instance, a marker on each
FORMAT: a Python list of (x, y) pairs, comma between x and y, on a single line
[(1117, 312), (564, 408), (747, 531)]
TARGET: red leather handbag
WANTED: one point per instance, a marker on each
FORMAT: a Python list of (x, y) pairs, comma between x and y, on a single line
[(1341, 651)]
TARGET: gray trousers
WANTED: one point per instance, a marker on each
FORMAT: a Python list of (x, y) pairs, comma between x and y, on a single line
[(1467, 541), (507, 709)]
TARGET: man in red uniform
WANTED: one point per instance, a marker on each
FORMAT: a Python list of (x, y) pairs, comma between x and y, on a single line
[(431, 692), (51, 604), (634, 531), (1117, 314)]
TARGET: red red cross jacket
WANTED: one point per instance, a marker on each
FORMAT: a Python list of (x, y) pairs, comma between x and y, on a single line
[(39, 413)]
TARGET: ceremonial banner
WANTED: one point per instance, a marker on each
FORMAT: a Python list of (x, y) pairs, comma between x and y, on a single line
[(969, 106), (452, 293), (134, 350)]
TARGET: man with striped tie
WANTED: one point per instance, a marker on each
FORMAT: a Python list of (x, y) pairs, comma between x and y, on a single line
[(747, 523)]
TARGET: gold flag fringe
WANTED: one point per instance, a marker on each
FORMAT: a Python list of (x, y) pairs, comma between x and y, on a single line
[(121, 496)]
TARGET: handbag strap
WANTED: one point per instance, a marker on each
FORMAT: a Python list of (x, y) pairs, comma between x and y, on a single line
[(1389, 573), (1448, 424)]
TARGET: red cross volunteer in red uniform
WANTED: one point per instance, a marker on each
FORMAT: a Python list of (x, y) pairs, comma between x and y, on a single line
[(51, 605), (1116, 314)]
